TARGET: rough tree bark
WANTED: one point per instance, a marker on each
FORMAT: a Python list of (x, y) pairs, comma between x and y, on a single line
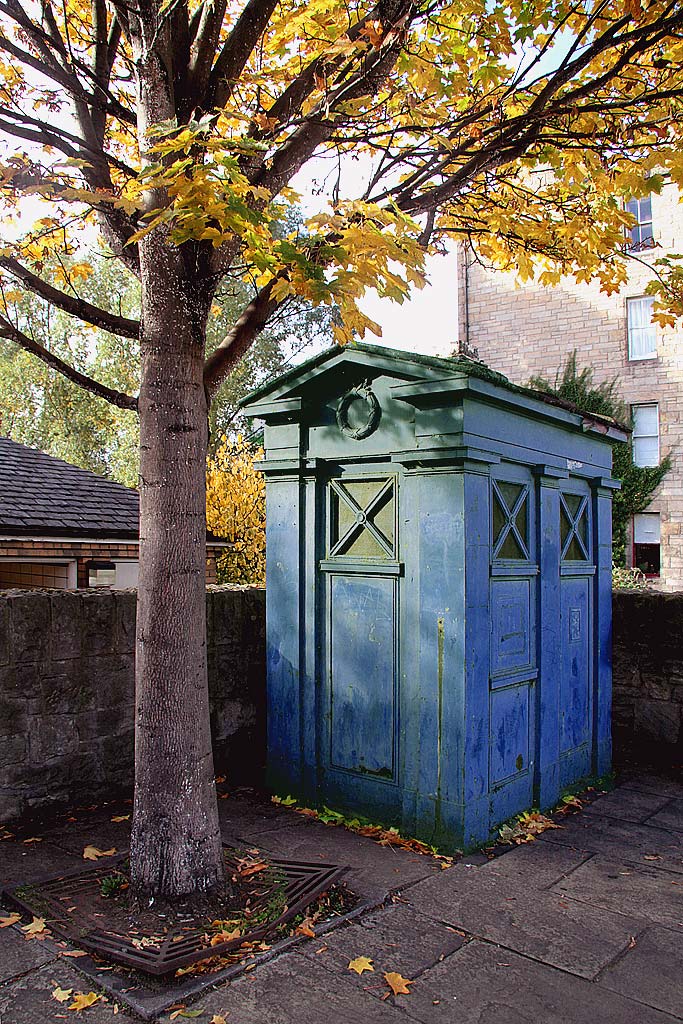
[(176, 843)]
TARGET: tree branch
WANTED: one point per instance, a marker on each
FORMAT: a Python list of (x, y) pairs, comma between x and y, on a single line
[(218, 81), (118, 398), (243, 332), (79, 308)]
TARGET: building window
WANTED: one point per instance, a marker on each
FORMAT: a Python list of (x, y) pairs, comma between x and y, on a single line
[(646, 542), (646, 434), (642, 333), (101, 574), (641, 236)]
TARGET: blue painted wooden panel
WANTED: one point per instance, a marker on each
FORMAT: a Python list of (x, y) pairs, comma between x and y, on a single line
[(433, 656), (602, 688), (547, 760), (362, 675), (509, 746), (283, 567), (575, 668), (510, 625)]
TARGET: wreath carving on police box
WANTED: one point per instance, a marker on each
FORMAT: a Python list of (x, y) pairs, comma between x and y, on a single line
[(364, 393)]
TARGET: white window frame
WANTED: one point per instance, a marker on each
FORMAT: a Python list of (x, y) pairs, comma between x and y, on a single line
[(636, 241), (643, 432), (642, 333), (647, 529)]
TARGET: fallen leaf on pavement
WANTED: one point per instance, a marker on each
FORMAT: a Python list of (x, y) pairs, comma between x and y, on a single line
[(33, 839), (5, 922), (525, 828), (82, 1000), (360, 964), (36, 927), (61, 994), (73, 952), (217, 1019), (306, 928), (92, 853), (121, 817), (226, 936), (397, 983)]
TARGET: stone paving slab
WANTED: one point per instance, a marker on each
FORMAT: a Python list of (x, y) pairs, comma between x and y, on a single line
[(612, 837), (483, 984), (651, 972), (563, 933), (294, 990), (375, 870), (22, 864), (248, 815), (29, 1000), (628, 804), (645, 892), (530, 866), (73, 838), (670, 816), (18, 956), (663, 784), (395, 939)]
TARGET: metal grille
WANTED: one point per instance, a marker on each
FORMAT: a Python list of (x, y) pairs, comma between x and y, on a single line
[(53, 900)]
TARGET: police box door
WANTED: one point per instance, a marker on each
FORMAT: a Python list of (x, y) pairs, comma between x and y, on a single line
[(358, 718)]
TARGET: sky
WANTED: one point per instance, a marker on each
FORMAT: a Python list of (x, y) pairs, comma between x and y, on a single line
[(428, 321)]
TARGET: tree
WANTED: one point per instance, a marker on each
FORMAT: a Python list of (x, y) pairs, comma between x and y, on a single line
[(178, 128), (41, 408), (638, 483), (236, 510)]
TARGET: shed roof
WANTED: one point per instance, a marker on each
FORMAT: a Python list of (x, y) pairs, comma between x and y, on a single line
[(43, 496)]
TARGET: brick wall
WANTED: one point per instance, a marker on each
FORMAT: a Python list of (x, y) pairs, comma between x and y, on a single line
[(67, 692), (648, 676), (525, 330), (82, 551)]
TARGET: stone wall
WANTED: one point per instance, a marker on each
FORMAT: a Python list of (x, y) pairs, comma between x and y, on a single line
[(648, 677), (66, 689), (67, 693)]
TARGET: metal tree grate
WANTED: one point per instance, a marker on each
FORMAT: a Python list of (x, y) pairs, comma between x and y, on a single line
[(303, 882)]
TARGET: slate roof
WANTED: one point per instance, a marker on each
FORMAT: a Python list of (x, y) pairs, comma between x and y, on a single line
[(42, 496)]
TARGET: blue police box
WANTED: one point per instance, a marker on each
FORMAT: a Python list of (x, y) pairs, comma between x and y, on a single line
[(438, 591)]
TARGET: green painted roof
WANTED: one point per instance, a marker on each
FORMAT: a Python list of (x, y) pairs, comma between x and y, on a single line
[(460, 365)]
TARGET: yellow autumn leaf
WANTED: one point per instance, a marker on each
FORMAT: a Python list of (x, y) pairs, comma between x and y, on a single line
[(61, 994), (121, 817), (397, 983), (360, 964), (82, 1000), (226, 936), (5, 922), (36, 926), (92, 853), (217, 1019)]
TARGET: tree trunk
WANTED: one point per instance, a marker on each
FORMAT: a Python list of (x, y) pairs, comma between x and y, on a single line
[(176, 843)]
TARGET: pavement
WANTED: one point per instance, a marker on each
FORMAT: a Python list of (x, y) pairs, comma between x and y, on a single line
[(583, 926)]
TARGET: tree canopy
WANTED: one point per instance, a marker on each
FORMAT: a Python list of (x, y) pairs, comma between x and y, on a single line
[(452, 107), (41, 408)]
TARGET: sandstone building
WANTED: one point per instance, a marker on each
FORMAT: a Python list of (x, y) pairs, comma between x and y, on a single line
[(527, 330)]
